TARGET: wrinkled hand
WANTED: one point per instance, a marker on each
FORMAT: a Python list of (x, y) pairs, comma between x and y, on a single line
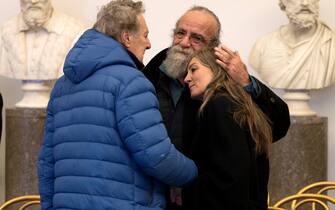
[(232, 63), (175, 195)]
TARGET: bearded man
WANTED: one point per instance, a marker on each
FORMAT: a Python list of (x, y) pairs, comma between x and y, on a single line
[(34, 43), (299, 55)]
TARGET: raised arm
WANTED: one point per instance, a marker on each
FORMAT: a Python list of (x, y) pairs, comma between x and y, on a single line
[(271, 104)]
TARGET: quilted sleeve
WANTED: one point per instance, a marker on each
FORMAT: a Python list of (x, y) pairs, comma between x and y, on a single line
[(46, 163), (142, 130)]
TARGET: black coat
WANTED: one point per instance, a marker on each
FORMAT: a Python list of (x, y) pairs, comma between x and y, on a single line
[(230, 174), (179, 119)]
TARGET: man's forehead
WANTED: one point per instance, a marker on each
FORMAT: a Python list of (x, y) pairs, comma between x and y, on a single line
[(142, 24), (197, 17), (197, 22)]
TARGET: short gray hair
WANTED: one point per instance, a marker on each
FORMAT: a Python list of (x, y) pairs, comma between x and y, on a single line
[(215, 41), (119, 16)]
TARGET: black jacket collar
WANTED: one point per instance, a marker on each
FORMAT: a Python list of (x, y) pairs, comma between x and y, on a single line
[(138, 63)]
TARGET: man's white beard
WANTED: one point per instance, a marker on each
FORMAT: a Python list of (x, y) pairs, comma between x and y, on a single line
[(302, 20), (176, 61), (35, 18)]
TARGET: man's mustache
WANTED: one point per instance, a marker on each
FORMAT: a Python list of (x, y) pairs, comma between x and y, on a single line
[(181, 51), (306, 10), (34, 7)]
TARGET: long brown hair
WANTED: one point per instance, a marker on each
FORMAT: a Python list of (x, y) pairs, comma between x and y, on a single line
[(246, 112)]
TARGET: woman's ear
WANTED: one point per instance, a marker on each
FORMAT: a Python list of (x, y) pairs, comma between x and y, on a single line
[(125, 39)]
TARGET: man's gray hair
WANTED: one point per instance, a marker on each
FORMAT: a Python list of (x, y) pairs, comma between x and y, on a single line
[(119, 16), (215, 41)]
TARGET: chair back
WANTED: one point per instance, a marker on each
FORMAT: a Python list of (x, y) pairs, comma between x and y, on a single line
[(24, 201), (300, 201)]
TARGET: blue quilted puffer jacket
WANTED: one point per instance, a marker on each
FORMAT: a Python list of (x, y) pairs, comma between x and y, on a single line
[(105, 145)]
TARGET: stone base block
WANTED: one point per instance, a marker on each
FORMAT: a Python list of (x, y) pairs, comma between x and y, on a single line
[(300, 158), (24, 134)]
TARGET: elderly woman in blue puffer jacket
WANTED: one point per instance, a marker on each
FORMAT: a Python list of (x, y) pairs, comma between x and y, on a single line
[(105, 145)]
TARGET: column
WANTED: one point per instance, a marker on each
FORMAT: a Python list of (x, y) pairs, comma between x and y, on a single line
[(24, 134), (300, 158)]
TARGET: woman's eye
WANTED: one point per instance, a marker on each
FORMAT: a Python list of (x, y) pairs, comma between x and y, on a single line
[(193, 69)]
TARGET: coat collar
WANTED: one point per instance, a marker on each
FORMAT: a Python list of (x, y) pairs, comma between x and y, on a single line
[(138, 63)]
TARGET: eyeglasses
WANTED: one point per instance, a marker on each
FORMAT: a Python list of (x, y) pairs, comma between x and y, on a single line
[(194, 38)]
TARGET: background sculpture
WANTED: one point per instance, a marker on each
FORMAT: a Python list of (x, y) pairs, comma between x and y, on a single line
[(33, 45), (299, 56)]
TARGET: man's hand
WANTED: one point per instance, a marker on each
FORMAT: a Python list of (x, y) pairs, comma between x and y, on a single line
[(232, 63)]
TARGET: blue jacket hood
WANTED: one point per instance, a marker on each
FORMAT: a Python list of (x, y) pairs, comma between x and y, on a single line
[(93, 51)]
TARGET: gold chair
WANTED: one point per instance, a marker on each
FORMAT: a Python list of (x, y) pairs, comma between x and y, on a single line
[(26, 200), (317, 188), (301, 200)]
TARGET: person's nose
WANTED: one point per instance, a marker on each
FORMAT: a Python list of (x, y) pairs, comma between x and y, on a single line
[(187, 78), (185, 42), (34, 1), (148, 44)]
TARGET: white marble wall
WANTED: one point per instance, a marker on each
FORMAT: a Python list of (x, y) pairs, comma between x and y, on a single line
[(242, 21)]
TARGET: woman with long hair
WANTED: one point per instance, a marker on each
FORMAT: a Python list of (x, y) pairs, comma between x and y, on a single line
[(231, 145)]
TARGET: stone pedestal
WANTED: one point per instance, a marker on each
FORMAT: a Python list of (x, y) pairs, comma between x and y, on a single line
[(24, 134), (300, 158)]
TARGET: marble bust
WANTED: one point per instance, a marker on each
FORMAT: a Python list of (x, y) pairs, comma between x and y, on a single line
[(34, 43), (33, 46), (299, 55)]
